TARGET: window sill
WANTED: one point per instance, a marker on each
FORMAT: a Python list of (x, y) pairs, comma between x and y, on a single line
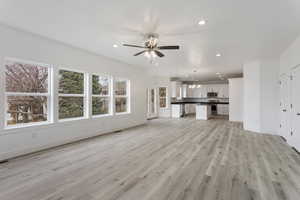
[(72, 119), (101, 116), (29, 125), (123, 113)]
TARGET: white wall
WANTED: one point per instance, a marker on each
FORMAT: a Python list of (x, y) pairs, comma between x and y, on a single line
[(18, 44), (252, 104), (236, 102), (261, 96), (270, 96), (290, 59)]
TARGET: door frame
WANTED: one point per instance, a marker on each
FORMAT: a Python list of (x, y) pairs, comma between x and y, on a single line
[(293, 112), (287, 131), (151, 115)]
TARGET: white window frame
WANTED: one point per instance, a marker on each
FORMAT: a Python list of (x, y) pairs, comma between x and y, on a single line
[(84, 95), (48, 95), (127, 96), (167, 96), (109, 96)]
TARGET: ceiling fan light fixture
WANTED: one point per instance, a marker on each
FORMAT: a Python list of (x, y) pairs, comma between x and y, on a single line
[(153, 54), (147, 54), (202, 22)]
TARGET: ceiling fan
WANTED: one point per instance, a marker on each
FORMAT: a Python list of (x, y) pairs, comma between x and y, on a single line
[(151, 47)]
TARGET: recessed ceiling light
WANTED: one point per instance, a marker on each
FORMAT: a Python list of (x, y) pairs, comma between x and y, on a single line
[(218, 73), (202, 22), (115, 46), (218, 55)]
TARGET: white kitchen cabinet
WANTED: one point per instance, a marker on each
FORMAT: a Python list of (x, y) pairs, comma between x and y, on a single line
[(223, 109), (201, 92), (223, 91), (203, 112), (190, 108), (177, 110)]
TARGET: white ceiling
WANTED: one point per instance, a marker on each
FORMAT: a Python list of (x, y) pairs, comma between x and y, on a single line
[(238, 29)]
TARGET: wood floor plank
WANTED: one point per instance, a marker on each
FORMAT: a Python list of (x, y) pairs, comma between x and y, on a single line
[(167, 159)]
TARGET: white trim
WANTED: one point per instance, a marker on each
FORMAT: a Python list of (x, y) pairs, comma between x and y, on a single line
[(72, 119), (24, 125), (28, 62), (123, 113), (102, 115), (86, 98), (93, 95), (71, 95), (26, 94), (124, 96), (71, 70), (149, 113)]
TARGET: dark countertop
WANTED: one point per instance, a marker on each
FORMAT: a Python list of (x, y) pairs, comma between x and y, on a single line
[(199, 102)]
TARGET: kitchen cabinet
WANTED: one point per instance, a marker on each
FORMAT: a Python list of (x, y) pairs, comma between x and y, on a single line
[(223, 109), (203, 112), (177, 110), (201, 92)]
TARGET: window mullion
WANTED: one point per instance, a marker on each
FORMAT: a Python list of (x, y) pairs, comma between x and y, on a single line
[(26, 94), (72, 95)]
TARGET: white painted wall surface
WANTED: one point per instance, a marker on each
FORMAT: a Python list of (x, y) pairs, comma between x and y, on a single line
[(261, 96), (252, 96), (270, 96), (236, 102), (290, 59), (26, 46)]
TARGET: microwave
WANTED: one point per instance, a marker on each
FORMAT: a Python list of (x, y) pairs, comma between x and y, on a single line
[(212, 94)]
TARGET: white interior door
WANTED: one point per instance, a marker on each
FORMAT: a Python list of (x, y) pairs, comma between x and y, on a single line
[(284, 107), (295, 118), (152, 103)]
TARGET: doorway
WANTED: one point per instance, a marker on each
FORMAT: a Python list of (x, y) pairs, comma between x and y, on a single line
[(285, 126), (152, 103), (295, 114)]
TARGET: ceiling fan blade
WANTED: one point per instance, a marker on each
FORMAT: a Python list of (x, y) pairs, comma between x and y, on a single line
[(168, 47), (137, 46), (159, 53), (139, 53)]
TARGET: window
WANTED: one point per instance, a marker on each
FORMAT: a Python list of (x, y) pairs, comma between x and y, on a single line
[(27, 92), (101, 95), (72, 95), (122, 96), (162, 97)]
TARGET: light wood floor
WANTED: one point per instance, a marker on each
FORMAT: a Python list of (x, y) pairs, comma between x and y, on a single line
[(166, 159)]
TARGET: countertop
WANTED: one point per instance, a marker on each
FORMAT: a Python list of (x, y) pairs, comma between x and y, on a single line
[(199, 102), (202, 101)]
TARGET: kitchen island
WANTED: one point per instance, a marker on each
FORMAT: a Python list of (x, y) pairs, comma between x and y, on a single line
[(205, 108)]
